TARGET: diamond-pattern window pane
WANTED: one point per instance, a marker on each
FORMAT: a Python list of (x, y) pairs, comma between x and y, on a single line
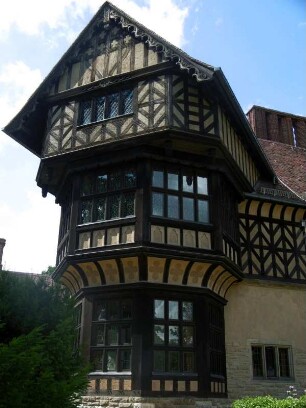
[(125, 357), (86, 113), (101, 183), (87, 186), (100, 206), (115, 181), (127, 205), (187, 336), (100, 108), (113, 105), (127, 104), (129, 179), (86, 211), (114, 206)]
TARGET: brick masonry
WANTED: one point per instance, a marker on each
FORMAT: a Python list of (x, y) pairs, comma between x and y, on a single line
[(278, 126)]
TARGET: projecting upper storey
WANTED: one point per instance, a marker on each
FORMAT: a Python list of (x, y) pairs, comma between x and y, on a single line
[(120, 81)]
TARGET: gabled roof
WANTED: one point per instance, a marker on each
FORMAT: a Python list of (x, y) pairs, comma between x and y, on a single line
[(27, 131)]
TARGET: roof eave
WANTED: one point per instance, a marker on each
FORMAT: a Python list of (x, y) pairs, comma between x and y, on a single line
[(236, 110)]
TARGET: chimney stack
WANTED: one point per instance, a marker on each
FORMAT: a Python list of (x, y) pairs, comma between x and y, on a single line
[(2, 244)]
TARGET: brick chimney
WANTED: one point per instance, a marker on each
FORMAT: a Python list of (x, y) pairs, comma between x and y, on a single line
[(278, 126), (2, 244)]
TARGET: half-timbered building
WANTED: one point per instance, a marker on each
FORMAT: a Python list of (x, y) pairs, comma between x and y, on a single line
[(184, 246)]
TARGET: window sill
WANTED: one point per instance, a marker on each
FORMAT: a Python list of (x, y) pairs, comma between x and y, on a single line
[(84, 125), (111, 373), (171, 374)]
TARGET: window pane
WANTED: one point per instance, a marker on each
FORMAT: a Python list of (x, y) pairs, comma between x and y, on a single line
[(125, 335), (113, 105), (188, 209), (173, 335), (126, 309), (86, 211), (114, 206), (158, 204), (97, 360), (159, 309), (187, 311), (129, 179), (158, 179), (127, 103), (284, 367), (100, 336), (100, 207), (110, 360), (257, 361), (113, 310), (127, 204), (159, 334), (173, 310), (203, 211), (188, 362), (187, 334), (100, 312), (100, 108), (112, 335), (101, 183), (173, 206), (174, 361), (188, 183), (115, 182), (85, 113), (270, 361), (125, 357), (202, 185), (173, 181), (159, 361), (87, 185)]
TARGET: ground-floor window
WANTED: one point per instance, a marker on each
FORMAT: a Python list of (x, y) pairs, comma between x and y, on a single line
[(111, 343), (272, 362), (173, 336)]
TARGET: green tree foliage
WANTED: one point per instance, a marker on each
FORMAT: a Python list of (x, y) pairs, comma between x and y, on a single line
[(38, 365)]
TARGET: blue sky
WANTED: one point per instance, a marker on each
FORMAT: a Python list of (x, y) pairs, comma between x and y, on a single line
[(260, 46)]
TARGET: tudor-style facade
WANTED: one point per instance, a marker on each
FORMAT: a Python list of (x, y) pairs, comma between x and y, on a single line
[(167, 234)]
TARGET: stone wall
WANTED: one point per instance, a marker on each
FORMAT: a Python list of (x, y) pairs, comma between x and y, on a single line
[(264, 313), (141, 402)]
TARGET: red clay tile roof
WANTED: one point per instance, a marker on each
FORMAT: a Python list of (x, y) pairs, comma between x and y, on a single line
[(289, 164)]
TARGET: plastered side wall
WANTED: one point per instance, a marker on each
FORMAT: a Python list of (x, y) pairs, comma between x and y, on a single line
[(267, 313)]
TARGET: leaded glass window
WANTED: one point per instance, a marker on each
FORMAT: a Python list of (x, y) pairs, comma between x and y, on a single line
[(173, 336), (105, 107), (107, 195), (111, 340)]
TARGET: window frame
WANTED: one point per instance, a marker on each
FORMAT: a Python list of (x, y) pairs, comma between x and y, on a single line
[(107, 347), (182, 195), (93, 107), (96, 196), (167, 349), (263, 357)]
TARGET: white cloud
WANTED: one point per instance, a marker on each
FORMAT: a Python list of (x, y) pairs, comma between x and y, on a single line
[(17, 83), (30, 224), (32, 16), (31, 235)]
